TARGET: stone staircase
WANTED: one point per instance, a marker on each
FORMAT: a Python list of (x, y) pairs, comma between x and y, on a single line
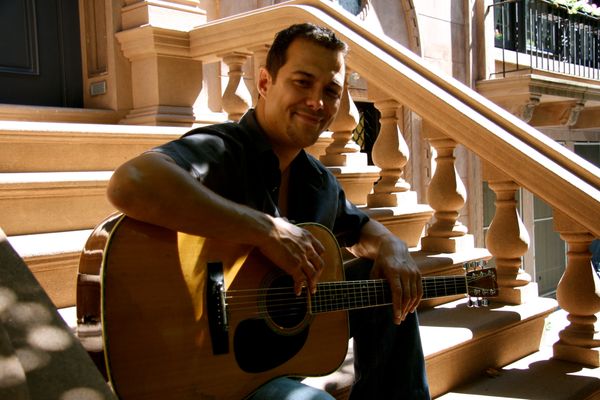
[(52, 190), (52, 185)]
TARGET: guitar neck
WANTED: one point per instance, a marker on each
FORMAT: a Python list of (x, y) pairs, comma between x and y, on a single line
[(351, 295)]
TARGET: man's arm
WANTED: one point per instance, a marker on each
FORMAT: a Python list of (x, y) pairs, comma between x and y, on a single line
[(393, 262), (154, 189)]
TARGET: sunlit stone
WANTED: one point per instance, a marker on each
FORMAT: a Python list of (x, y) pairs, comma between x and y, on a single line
[(81, 394), (30, 314), (32, 359), (8, 297), (11, 372), (49, 338)]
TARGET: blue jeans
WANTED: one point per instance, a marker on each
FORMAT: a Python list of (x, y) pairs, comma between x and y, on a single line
[(388, 358), (289, 389)]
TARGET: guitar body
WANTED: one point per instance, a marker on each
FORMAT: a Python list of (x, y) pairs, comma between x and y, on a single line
[(164, 337)]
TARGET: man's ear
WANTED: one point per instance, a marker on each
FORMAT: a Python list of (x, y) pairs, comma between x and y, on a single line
[(264, 81)]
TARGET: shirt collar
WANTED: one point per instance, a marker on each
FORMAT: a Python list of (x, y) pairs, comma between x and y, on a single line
[(250, 122)]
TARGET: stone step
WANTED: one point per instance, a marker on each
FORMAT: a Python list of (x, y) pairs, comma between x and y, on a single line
[(54, 260), (54, 146), (356, 181), (39, 202), (537, 376), (407, 221), (462, 343)]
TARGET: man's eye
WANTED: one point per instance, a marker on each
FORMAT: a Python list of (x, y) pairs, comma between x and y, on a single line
[(302, 82), (334, 93)]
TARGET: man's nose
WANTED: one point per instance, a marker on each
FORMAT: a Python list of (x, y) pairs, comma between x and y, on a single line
[(315, 99)]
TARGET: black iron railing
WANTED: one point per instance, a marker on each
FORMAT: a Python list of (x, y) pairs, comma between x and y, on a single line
[(536, 34)]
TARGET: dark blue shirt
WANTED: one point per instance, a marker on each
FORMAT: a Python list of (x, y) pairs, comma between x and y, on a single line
[(236, 161)]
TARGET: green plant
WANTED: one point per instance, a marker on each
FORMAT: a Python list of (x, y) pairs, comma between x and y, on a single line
[(578, 6)]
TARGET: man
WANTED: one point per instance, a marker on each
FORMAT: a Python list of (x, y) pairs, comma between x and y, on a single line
[(251, 182)]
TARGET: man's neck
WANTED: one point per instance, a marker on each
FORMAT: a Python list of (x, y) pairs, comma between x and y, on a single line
[(285, 158), (285, 154)]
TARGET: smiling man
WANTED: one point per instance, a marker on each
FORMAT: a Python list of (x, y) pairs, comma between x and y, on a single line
[(300, 100), (246, 182)]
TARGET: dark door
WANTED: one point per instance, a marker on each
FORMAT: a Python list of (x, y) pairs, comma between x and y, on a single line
[(40, 54)]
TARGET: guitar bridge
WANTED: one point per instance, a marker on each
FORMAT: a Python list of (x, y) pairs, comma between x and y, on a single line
[(217, 308)]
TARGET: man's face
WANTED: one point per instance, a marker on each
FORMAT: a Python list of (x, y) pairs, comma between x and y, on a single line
[(304, 98)]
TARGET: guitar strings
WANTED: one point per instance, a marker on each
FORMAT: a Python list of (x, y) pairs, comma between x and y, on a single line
[(281, 300), (344, 285), (339, 286)]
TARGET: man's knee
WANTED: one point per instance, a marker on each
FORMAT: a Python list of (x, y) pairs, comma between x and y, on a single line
[(289, 389)]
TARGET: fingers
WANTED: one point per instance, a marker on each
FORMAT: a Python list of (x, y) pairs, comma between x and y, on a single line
[(310, 267), (297, 252), (404, 278), (407, 292)]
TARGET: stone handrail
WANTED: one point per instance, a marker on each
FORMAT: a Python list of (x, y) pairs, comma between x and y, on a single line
[(531, 159)]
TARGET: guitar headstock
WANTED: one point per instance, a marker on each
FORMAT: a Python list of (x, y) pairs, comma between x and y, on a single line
[(481, 283)]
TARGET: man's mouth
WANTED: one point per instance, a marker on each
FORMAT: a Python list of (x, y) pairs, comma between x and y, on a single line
[(309, 117)]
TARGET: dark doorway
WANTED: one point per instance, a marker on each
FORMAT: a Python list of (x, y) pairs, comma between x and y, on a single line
[(40, 53)]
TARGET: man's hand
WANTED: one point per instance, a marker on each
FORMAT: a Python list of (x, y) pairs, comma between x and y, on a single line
[(391, 261), (296, 251), (394, 263)]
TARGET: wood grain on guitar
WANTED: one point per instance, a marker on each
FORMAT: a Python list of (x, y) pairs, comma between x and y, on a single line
[(189, 317)]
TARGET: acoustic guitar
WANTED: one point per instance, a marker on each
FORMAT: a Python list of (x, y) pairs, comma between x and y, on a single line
[(186, 317)]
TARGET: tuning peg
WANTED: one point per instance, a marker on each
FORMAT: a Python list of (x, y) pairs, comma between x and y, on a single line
[(473, 303), (470, 302), (477, 302)]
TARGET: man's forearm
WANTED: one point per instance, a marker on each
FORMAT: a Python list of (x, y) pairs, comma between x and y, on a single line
[(154, 189)]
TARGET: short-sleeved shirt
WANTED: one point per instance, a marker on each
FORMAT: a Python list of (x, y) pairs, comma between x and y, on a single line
[(236, 161)]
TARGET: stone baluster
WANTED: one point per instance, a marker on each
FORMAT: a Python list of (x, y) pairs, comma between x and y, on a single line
[(508, 240), (342, 155), (390, 153), (447, 195), (236, 97), (578, 293), (343, 150), (259, 59)]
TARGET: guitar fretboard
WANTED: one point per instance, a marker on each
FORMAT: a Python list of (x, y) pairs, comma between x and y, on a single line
[(351, 295)]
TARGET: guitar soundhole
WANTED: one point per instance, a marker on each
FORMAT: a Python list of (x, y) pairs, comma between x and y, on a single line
[(285, 309), (262, 344)]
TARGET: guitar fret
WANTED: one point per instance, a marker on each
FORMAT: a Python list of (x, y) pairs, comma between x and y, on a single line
[(349, 295), (446, 288), (439, 286)]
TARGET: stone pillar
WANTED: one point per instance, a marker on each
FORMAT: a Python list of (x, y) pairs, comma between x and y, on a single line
[(391, 201), (165, 80), (182, 15), (236, 97), (343, 151), (508, 240), (390, 153), (342, 155), (447, 195), (578, 293), (259, 60)]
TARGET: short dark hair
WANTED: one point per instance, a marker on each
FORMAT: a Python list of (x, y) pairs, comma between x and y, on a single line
[(277, 55)]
